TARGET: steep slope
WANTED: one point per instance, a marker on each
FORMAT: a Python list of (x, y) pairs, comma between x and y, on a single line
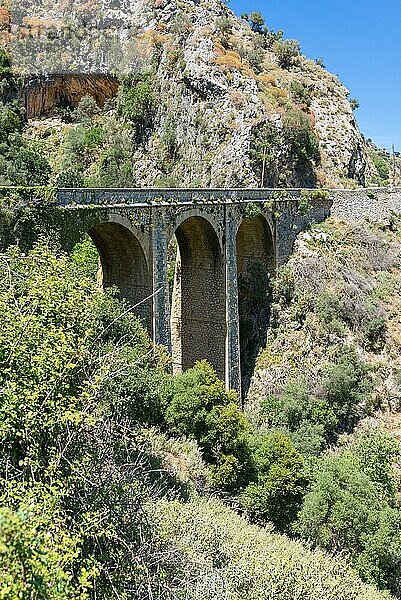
[(233, 104), (337, 303)]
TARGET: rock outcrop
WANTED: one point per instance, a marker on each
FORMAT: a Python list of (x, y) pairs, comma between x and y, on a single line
[(238, 111)]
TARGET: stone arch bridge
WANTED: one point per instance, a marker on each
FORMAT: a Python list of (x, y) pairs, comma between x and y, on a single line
[(225, 245)]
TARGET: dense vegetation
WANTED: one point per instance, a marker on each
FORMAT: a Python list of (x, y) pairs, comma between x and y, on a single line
[(118, 480), (108, 456)]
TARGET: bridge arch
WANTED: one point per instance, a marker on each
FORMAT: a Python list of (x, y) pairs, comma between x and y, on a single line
[(198, 311), (125, 265), (255, 265)]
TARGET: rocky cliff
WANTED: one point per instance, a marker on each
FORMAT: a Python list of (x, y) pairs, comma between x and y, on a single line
[(234, 103)]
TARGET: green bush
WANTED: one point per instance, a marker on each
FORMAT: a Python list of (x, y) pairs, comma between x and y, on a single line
[(277, 493), (341, 507), (345, 512), (10, 121), (298, 412), (228, 558), (116, 165), (86, 110), (136, 103), (329, 310), (286, 51), (26, 166), (348, 385), (202, 408), (377, 452), (39, 558), (5, 63), (68, 179), (300, 135), (300, 93), (78, 374), (20, 163)]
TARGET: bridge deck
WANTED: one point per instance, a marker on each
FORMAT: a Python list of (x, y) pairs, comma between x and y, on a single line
[(77, 197)]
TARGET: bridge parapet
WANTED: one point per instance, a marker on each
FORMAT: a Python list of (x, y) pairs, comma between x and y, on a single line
[(354, 205), (151, 196)]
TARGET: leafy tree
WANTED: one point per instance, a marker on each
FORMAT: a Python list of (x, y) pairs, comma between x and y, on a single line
[(10, 121), (37, 552), (86, 110), (26, 166), (277, 493), (256, 21), (20, 163), (300, 93), (354, 104), (136, 103), (77, 375), (298, 412), (377, 452), (300, 136), (347, 385), (202, 408), (345, 512)]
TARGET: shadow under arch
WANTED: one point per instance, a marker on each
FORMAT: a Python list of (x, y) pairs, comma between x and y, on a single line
[(255, 265), (124, 265), (198, 318)]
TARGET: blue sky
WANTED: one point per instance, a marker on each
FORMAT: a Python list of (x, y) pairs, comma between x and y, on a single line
[(358, 40)]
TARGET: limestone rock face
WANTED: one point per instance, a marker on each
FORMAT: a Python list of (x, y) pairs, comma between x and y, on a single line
[(217, 83)]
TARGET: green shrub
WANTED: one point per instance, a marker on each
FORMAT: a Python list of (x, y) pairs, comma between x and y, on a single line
[(280, 484), (329, 310), (284, 285), (379, 563), (297, 411), (116, 165), (10, 121), (345, 512), (86, 110), (377, 452), (5, 63), (86, 257), (341, 507), (374, 327), (27, 166), (38, 555), (93, 137), (286, 51), (300, 93), (348, 385), (202, 408), (228, 558), (300, 135), (136, 103), (68, 179)]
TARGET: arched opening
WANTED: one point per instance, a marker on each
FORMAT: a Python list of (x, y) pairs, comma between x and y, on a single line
[(198, 322), (255, 264), (123, 265)]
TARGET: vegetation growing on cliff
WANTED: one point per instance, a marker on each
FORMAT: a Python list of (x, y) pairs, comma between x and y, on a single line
[(203, 89)]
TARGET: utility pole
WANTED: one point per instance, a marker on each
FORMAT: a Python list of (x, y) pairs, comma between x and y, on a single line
[(264, 166), (394, 165)]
